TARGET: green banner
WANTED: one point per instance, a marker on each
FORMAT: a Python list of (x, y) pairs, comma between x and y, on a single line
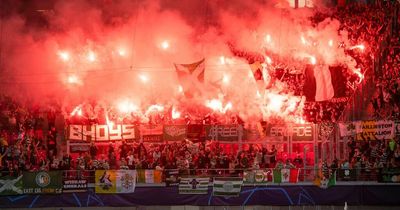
[(42, 182), (11, 185), (174, 132)]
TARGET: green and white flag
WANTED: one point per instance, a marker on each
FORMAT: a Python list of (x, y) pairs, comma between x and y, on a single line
[(11, 185), (194, 185), (227, 186)]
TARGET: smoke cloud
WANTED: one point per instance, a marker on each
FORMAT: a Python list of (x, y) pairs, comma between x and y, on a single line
[(78, 51)]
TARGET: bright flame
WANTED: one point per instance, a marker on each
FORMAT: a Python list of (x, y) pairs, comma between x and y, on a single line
[(175, 114), (216, 105), (154, 108), (330, 43), (144, 78), (222, 60), (303, 40), (91, 56), (180, 88), (72, 79), (121, 52), (64, 55), (268, 38), (126, 107), (313, 60), (165, 45), (360, 46), (226, 79), (268, 59), (276, 102), (258, 94)]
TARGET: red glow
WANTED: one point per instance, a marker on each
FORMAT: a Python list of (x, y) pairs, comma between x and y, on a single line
[(126, 107), (216, 105)]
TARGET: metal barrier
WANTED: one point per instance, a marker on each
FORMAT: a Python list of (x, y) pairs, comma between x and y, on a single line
[(304, 175)]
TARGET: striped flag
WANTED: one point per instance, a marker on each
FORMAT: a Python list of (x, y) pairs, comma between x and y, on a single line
[(149, 176), (326, 183), (194, 185), (286, 175), (227, 186), (322, 83)]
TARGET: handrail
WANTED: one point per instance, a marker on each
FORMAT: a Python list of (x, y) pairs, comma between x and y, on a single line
[(310, 174)]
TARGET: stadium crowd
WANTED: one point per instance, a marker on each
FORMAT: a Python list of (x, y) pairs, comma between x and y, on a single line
[(386, 100), (29, 135)]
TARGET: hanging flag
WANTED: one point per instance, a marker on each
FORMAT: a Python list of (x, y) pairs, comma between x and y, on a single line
[(194, 185), (257, 176), (125, 181), (294, 175), (249, 177), (149, 176), (227, 186), (191, 77), (322, 83), (257, 70), (172, 177), (326, 183), (11, 185), (115, 181), (286, 175), (277, 176)]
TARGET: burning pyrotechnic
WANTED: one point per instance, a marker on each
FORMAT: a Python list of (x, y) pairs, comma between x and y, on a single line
[(216, 105), (121, 52), (313, 60), (180, 89), (143, 78), (330, 43), (360, 46), (64, 55), (165, 45), (175, 114), (91, 56), (126, 107), (222, 60), (73, 79), (268, 60), (268, 38), (226, 79)]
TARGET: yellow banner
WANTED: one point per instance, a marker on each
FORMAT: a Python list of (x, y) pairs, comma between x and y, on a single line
[(105, 181)]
